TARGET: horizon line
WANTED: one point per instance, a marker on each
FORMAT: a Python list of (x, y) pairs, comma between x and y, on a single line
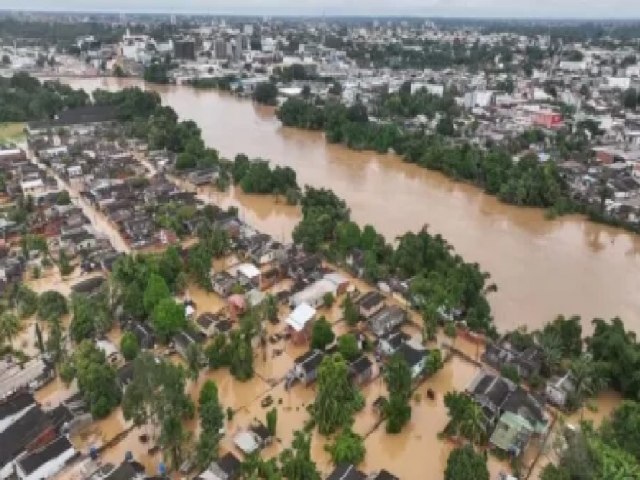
[(420, 16)]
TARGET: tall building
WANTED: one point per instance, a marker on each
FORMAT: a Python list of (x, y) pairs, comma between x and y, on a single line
[(184, 49), (220, 48)]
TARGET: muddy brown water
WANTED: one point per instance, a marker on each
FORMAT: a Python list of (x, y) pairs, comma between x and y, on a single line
[(542, 267)]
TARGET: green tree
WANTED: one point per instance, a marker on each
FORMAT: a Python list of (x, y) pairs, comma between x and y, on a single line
[(465, 464), (211, 423), (194, 355), (168, 319), (39, 339), (347, 448), (588, 378), (622, 428), (465, 417), (217, 352), (270, 307), (240, 356), (397, 409), (328, 299), (510, 372), (445, 127), (156, 291), (430, 323), (170, 267), (63, 198), (129, 346), (348, 347), (157, 395), (434, 362), (96, 379), (52, 305), (199, 265), (569, 333), (64, 264), (321, 334), (266, 93), (272, 421), (156, 73), (9, 327), (296, 461), (91, 316), (450, 331), (336, 399), (350, 312), (173, 438), (26, 301), (55, 342)]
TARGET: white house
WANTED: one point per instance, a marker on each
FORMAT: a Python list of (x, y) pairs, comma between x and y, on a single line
[(433, 89), (314, 294), (300, 317), (32, 187), (248, 272)]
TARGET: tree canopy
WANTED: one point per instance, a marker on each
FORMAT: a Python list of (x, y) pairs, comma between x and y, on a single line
[(337, 400), (465, 464), (96, 378)]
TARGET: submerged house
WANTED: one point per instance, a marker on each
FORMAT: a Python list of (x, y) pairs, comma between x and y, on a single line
[(511, 434), (527, 362), (387, 320), (145, 336), (299, 323), (182, 341), (361, 370), (226, 467), (346, 472), (253, 439), (45, 462), (313, 295), (391, 342), (370, 304), (382, 475), (305, 367), (416, 358), (512, 414), (31, 375), (14, 408), (559, 389), (223, 283), (211, 324)]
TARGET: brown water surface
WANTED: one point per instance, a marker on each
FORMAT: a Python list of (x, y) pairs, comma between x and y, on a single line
[(542, 267)]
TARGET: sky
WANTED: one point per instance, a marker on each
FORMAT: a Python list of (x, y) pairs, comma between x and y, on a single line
[(595, 9)]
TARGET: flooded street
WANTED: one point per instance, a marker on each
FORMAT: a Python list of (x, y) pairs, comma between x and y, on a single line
[(566, 266)]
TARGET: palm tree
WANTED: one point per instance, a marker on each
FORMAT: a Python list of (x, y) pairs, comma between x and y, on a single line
[(551, 345), (586, 377), (472, 424), (9, 327)]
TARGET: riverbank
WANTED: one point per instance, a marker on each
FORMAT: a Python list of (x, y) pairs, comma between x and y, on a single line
[(567, 264)]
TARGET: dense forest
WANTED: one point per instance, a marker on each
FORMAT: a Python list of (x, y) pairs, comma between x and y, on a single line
[(526, 182), (24, 98)]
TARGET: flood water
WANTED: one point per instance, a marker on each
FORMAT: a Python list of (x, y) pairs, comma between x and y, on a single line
[(541, 267)]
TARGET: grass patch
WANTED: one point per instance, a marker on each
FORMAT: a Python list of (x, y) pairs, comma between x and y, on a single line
[(11, 132)]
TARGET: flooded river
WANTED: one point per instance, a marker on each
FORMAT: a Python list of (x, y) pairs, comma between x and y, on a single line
[(542, 267)]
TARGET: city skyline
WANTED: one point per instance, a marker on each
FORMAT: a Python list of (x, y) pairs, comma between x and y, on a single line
[(587, 9)]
